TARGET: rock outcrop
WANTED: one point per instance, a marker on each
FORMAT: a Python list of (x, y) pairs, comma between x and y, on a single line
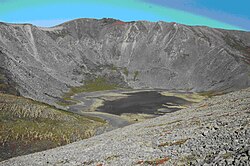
[(42, 63)]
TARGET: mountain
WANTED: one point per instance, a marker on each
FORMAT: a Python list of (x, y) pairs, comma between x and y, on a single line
[(44, 63)]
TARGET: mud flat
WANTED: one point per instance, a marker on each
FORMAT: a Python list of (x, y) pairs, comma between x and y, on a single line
[(148, 102)]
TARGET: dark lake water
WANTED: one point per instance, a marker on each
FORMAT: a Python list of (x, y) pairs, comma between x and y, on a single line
[(142, 102)]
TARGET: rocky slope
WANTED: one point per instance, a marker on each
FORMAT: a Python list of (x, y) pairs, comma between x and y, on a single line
[(27, 126), (43, 63), (214, 132)]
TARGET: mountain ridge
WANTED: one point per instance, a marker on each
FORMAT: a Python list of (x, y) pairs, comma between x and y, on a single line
[(130, 54), (99, 19)]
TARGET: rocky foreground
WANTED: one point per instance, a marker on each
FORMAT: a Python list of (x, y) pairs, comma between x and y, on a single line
[(214, 132)]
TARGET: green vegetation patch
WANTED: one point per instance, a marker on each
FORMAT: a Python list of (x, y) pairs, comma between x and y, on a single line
[(192, 97), (125, 71), (67, 101), (7, 86), (136, 73), (114, 68), (187, 160), (27, 126), (209, 94), (98, 84), (1, 77)]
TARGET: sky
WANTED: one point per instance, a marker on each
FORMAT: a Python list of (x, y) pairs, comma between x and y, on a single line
[(226, 14)]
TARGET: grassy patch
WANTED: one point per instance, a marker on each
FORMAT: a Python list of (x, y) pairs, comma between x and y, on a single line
[(6, 85), (27, 126), (110, 158), (227, 155), (125, 71), (66, 102), (113, 68), (210, 94), (187, 160), (136, 73), (96, 119), (3, 86), (1, 77), (98, 84), (192, 97)]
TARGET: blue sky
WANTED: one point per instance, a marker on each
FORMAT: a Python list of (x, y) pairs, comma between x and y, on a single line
[(225, 14), (229, 11)]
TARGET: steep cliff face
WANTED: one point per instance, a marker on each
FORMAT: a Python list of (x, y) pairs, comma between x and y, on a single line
[(45, 62)]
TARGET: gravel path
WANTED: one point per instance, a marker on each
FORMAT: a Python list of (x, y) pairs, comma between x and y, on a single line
[(214, 132), (114, 121)]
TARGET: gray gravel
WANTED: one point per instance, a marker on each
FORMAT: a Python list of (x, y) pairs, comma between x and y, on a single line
[(214, 132)]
